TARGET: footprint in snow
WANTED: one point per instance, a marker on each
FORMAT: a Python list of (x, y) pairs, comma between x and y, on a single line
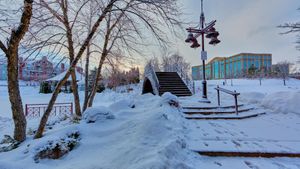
[(250, 165), (217, 163)]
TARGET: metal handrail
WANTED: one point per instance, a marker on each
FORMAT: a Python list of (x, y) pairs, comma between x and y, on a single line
[(233, 93)]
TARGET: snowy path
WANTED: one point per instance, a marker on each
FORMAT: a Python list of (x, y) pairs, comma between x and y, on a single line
[(273, 132)]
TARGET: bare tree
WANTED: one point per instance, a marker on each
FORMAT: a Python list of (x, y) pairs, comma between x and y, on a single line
[(293, 28), (65, 14), (126, 29), (176, 63), (11, 50), (107, 7), (282, 70)]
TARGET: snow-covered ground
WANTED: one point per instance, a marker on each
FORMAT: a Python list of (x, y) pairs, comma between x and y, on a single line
[(277, 131), (145, 132), (148, 133)]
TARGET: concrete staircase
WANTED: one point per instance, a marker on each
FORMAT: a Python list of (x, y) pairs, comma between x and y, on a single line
[(171, 82), (221, 113)]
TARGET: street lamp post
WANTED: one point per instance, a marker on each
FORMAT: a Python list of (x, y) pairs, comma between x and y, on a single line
[(211, 33)]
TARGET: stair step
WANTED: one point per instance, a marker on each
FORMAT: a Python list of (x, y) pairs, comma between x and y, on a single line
[(214, 107), (166, 73), (246, 147), (176, 81), (172, 84), (170, 79), (173, 75), (173, 87), (175, 91), (239, 117), (216, 112), (248, 154), (178, 94)]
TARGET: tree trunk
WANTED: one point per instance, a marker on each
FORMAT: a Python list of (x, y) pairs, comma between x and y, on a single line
[(39, 132), (15, 97), (97, 79), (86, 88), (44, 119), (71, 57), (76, 95), (11, 52)]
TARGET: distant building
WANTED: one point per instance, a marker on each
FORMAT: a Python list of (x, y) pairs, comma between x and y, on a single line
[(233, 66), (35, 70)]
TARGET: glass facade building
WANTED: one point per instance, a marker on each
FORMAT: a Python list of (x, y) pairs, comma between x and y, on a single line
[(233, 66)]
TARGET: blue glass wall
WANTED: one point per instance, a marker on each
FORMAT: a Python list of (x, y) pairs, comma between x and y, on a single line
[(233, 67)]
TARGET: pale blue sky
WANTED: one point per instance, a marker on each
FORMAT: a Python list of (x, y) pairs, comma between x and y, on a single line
[(245, 26)]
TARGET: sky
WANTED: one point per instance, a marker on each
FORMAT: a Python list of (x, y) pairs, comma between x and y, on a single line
[(244, 26)]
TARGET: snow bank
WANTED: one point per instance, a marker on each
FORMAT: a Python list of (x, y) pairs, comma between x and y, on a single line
[(252, 97), (122, 104), (99, 113), (148, 136), (284, 102), (169, 98)]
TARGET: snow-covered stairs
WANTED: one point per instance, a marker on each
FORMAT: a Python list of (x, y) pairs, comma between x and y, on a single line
[(232, 136), (221, 113), (171, 82)]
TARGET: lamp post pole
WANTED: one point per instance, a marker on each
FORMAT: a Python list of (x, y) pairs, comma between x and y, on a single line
[(211, 33), (204, 83)]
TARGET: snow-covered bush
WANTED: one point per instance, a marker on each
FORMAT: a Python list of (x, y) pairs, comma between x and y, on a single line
[(54, 149), (170, 99), (100, 113)]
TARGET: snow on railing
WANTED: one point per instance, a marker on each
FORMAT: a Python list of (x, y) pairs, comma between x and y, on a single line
[(187, 81), (151, 75)]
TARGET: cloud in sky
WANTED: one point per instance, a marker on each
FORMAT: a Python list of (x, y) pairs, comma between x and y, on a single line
[(245, 26)]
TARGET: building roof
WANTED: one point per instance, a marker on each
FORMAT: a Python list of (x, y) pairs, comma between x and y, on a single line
[(58, 77), (240, 54), (269, 54)]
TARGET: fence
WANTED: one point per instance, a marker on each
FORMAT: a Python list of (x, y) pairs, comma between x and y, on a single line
[(59, 109)]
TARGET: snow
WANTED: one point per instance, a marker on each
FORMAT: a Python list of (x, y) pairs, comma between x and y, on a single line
[(168, 97), (79, 76), (94, 114), (149, 132), (148, 135), (277, 131), (285, 102)]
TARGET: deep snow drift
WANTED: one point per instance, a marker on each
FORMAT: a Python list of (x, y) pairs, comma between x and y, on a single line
[(135, 132)]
